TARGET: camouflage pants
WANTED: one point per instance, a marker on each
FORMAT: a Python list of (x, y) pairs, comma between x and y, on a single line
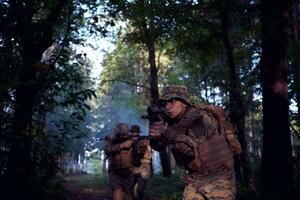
[(212, 188), (141, 176), (190, 193), (144, 170), (139, 187), (122, 180)]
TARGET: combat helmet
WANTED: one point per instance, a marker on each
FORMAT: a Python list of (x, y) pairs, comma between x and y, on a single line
[(175, 92), (122, 129), (135, 128)]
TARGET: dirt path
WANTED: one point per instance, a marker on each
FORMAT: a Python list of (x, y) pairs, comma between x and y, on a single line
[(84, 187)]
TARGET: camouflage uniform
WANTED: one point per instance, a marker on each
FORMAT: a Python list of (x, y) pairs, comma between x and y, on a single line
[(120, 169), (142, 154), (199, 148)]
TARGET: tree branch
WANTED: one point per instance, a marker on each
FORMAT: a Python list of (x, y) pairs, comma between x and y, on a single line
[(127, 82), (52, 17)]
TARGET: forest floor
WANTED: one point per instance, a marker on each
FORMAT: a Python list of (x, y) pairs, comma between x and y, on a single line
[(84, 187), (95, 187)]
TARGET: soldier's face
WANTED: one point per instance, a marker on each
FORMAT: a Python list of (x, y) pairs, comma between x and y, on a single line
[(135, 135), (174, 108), (123, 136)]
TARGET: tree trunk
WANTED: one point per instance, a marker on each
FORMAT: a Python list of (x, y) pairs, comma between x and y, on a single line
[(164, 158), (153, 74), (33, 38), (104, 161), (296, 61), (277, 150), (236, 106)]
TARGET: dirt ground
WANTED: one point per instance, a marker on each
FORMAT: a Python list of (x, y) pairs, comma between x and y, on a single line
[(83, 187), (87, 187)]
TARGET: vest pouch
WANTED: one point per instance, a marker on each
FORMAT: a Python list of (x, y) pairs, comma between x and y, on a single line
[(195, 165), (122, 160), (216, 152)]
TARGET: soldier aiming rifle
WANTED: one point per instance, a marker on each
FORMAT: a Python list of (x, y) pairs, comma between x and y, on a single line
[(142, 154), (118, 149), (202, 142)]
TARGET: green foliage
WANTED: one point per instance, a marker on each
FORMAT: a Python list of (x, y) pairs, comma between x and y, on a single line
[(126, 68), (125, 64), (38, 65), (296, 173), (96, 165), (101, 180), (165, 188), (187, 37), (54, 190), (242, 192)]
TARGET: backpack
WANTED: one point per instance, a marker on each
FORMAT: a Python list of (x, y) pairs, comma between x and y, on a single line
[(225, 127)]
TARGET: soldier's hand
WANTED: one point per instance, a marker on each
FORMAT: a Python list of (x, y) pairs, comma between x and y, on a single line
[(143, 143), (157, 128), (142, 146), (127, 144)]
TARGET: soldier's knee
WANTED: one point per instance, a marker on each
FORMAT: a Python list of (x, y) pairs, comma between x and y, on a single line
[(190, 193)]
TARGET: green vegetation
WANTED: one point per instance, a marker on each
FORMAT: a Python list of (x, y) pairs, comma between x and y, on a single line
[(50, 114), (165, 188)]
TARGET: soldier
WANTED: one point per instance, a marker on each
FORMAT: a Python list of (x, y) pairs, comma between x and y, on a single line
[(118, 149), (199, 145), (142, 162)]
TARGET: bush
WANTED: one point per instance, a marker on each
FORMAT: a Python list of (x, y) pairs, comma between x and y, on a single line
[(167, 188)]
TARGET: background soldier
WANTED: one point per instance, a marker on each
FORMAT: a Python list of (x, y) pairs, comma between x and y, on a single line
[(199, 145), (118, 149), (142, 162)]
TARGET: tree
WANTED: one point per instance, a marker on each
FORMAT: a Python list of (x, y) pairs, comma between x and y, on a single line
[(146, 30), (237, 110), (294, 57), (207, 38), (32, 35), (36, 67), (277, 151)]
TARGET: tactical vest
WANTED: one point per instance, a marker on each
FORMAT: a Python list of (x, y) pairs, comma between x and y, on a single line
[(141, 152), (136, 155), (225, 127), (214, 149), (122, 159), (215, 153), (147, 155)]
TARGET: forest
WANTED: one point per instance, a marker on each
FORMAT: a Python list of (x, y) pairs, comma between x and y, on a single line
[(55, 110)]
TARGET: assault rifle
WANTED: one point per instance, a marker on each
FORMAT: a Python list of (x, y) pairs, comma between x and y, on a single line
[(155, 113), (141, 137)]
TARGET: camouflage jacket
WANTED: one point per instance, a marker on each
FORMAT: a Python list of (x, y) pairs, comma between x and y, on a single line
[(141, 152), (189, 140), (119, 158)]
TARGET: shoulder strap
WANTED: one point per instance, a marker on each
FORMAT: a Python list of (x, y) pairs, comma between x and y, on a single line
[(219, 114)]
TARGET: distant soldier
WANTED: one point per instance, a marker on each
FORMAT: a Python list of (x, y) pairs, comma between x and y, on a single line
[(141, 161), (118, 149), (202, 142)]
